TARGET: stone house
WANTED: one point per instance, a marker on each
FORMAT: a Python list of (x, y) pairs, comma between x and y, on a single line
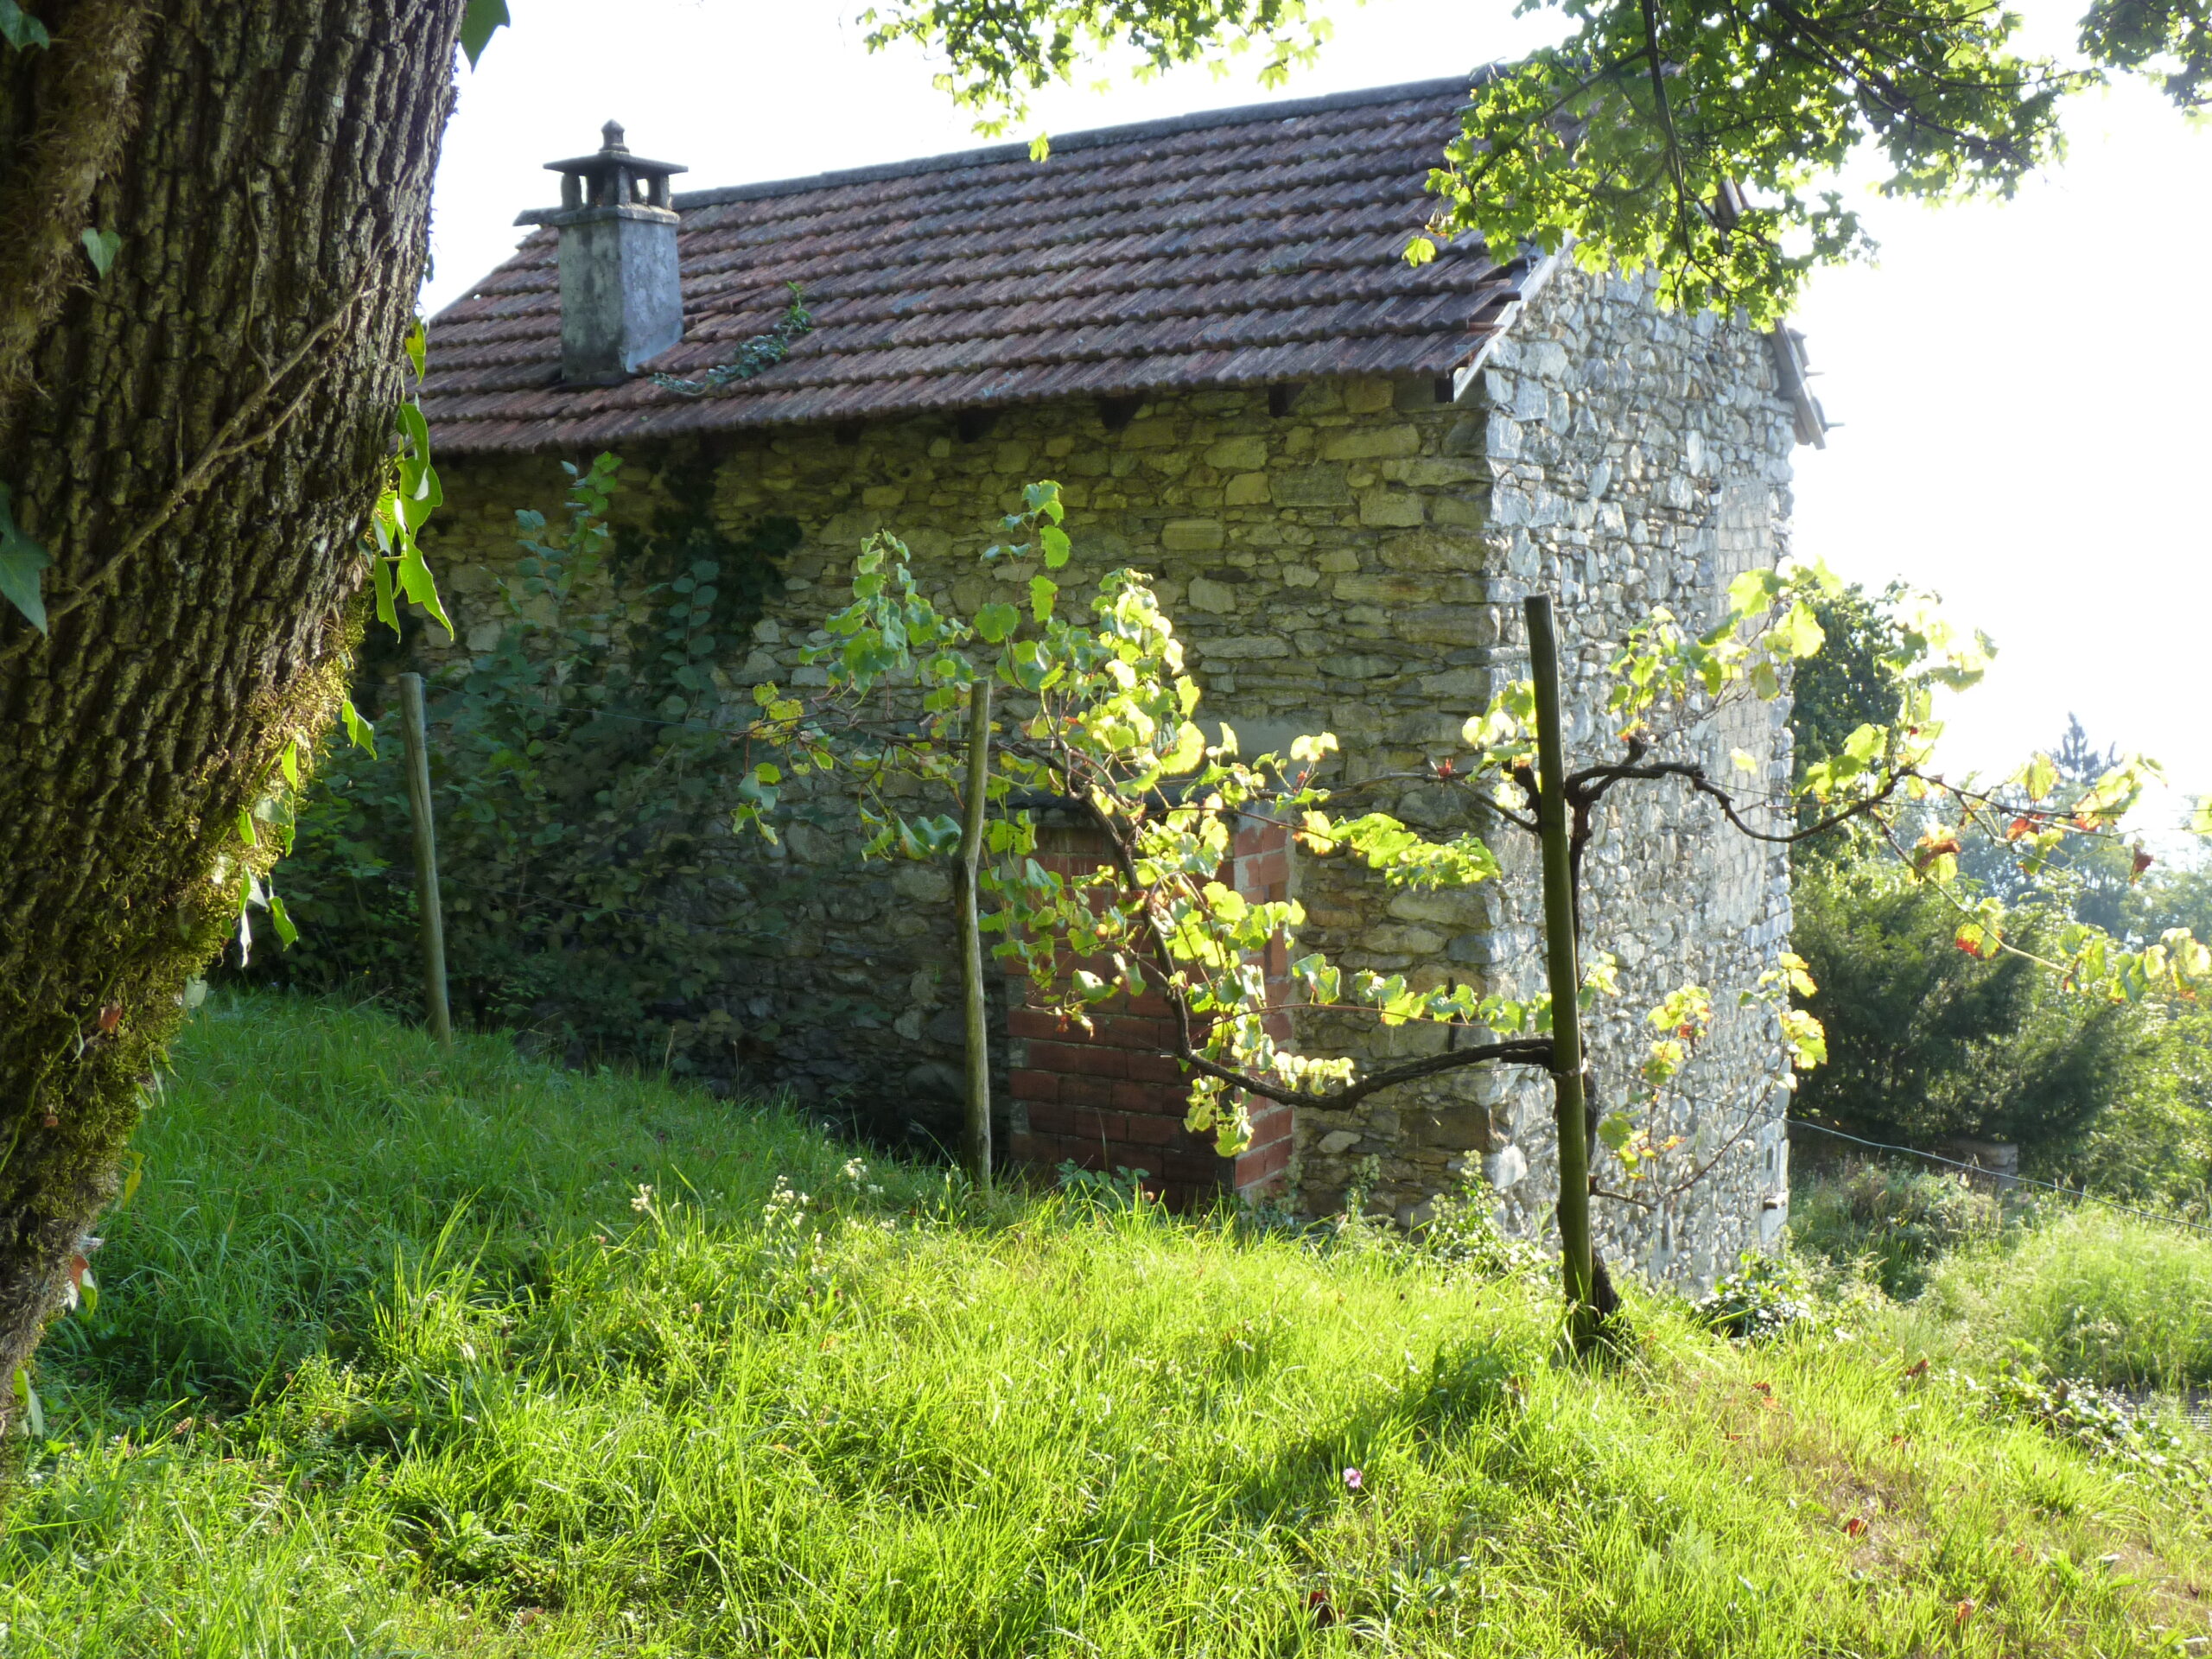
[(1345, 474)]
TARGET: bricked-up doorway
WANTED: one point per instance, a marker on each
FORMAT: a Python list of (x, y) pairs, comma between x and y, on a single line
[(1114, 1097)]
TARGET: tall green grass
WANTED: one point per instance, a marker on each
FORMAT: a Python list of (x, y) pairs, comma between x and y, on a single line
[(2121, 1302), (412, 1351), (2086, 1291)]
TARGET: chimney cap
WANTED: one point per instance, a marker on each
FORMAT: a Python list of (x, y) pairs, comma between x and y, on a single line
[(614, 153)]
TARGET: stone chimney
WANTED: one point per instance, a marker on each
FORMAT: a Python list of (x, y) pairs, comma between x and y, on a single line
[(621, 292)]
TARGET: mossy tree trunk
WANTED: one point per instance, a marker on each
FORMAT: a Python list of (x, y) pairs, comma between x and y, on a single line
[(195, 438)]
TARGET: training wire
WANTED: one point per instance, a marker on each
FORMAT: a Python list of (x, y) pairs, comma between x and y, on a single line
[(2010, 1180)]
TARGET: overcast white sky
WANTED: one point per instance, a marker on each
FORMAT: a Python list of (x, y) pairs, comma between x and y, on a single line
[(2023, 387)]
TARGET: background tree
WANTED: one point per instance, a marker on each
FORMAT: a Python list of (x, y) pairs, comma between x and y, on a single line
[(1850, 682), (2090, 880), (1928, 1043)]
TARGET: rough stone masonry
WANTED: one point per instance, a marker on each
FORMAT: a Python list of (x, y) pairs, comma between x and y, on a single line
[(1354, 562)]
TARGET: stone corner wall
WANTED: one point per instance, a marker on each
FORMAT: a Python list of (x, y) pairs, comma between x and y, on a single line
[(1636, 460)]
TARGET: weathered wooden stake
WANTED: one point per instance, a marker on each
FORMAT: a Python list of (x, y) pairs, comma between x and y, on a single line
[(975, 1136), (1565, 973), (416, 732)]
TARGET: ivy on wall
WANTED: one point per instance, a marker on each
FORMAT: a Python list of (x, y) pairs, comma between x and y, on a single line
[(582, 784)]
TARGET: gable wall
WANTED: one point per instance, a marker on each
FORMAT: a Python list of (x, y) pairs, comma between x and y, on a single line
[(1355, 565)]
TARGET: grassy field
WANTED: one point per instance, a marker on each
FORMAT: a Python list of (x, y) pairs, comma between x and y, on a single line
[(412, 1351)]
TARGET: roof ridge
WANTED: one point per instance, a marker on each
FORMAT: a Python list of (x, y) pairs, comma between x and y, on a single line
[(1092, 138)]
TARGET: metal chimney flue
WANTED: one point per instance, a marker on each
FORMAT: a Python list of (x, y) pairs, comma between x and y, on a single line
[(621, 289)]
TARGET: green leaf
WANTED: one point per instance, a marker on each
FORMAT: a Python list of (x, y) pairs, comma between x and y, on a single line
[(22, 559), (994, 622), (245, 829), (414, 427), (286, 933), (1615, 1131), (387, 612), (100, 247), (289, 762), (1054, 541), (419, 585), (1043, 592), (134, 1172), (418, 352), (30, 1416), (1801, 633), (1753, 592), (478, 24), (19, 30), (359, 731)]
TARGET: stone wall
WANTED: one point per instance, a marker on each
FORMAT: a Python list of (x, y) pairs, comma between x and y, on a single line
[(1636, 461), (1353, 563)]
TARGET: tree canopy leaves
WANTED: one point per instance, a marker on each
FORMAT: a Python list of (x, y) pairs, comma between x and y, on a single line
[(1700, 138)]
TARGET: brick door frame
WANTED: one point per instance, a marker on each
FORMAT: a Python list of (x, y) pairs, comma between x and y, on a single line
[(1115, 1097)]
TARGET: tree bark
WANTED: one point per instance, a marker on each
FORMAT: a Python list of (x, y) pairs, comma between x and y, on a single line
[(195, 438)]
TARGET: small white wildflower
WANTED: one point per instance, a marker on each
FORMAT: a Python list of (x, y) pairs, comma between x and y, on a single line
[(643, 1203)]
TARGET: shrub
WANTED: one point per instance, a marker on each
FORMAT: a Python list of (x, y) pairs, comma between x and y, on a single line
[(1462, 1236), (1094, 1189), (1897, 1222), (1768, 1295), (1926, 1042), (581, 786)]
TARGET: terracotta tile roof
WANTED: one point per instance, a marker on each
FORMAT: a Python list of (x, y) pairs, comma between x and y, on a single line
[(1237, 247)]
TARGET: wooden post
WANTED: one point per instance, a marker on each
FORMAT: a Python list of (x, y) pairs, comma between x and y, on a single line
[(417, 733), (1564, 970), (975, 1136)]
